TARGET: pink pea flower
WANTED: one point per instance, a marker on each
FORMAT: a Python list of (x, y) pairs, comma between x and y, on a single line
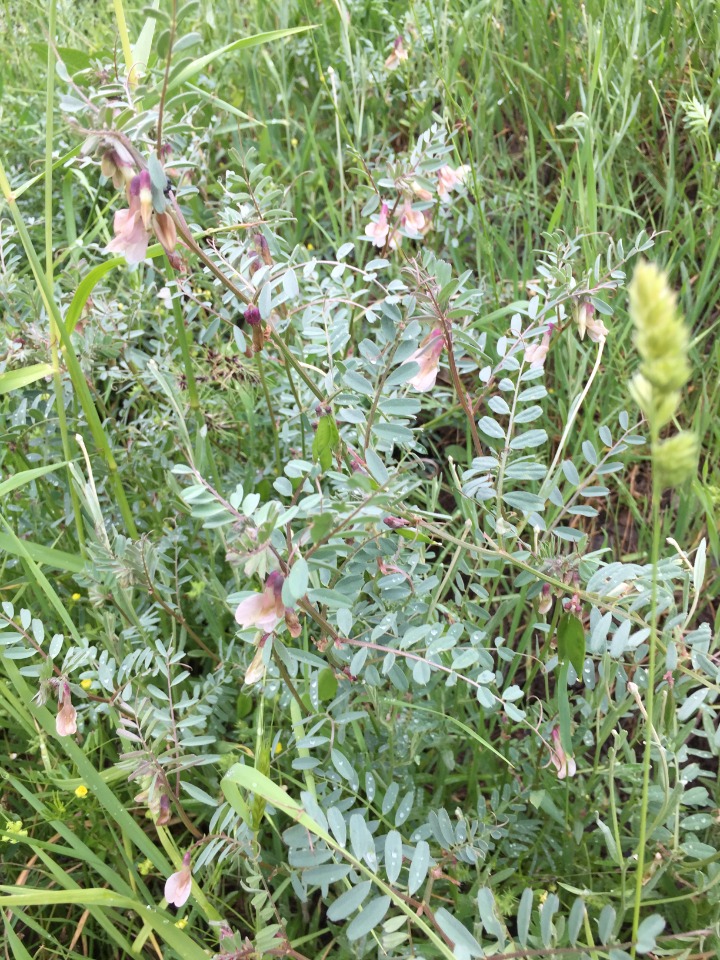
[(66, 719), (565, 766), (399, 53), (263, 610), (427, 356), (412, 220), (132, 226), (178, 885), (535, 353), (378, 229), (449, 179), (589, 323)]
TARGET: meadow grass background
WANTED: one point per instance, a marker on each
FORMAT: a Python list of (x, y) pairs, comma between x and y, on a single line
[(593, 120)]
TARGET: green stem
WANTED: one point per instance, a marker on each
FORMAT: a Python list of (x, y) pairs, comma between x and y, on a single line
[(184, 346), (649, 701), (271, 412)]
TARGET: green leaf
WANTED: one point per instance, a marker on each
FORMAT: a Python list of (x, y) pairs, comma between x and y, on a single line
[(648, 931), (327, 684), (571, 642), (143, 46), (23, 376), (41, 554), (298, 578), (371, 916), (349, 901), (199, 64), (326, 440), (27, 476), (458, 933)]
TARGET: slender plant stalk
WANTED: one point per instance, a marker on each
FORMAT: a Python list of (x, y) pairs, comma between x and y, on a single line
[(49, 268), (649, 703)]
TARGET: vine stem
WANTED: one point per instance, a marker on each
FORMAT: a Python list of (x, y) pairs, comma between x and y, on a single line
[(649, 700)]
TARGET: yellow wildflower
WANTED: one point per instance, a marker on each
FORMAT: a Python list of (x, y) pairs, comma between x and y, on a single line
[(14, 828), (81, 792)]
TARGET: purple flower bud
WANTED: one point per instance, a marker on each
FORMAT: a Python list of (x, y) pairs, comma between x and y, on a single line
[(252, 315)]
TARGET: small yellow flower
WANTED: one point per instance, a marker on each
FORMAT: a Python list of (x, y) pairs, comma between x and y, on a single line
[(278, 748), (14, 828), (181, 924), (86, 684), (309, 246), (76, 596), (81, 791), (294, 142), (145, 867)]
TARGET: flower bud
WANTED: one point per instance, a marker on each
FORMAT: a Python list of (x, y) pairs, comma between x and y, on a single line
[(252, 315)]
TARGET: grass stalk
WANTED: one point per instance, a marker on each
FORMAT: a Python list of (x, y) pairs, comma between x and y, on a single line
[(649, 703)]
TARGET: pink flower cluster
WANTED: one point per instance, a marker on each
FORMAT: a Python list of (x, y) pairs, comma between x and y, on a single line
[(134, 225), (409, 221)]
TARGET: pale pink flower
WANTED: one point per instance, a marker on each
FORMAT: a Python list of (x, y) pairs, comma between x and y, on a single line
[(412, 220), (395, 239), (66, 719), (535, 353), (378, 229), (131, 237), (398, 54), (596, 330), (263, 610), (178, 885), (565, 766), (427, 356), (590, 324), (256, 670), (449, 179)]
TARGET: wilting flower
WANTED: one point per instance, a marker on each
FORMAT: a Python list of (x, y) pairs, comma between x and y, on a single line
[(66, 719), (412, 220), (163, 814), (565, 766), (395, 523), (378, 229), (117, 165), (535, 353), (420, 192), (427, 356), (256, 669), (449, 179), (292, 622), (178, 885), (263, 610), (398, 54), (132, 226)]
